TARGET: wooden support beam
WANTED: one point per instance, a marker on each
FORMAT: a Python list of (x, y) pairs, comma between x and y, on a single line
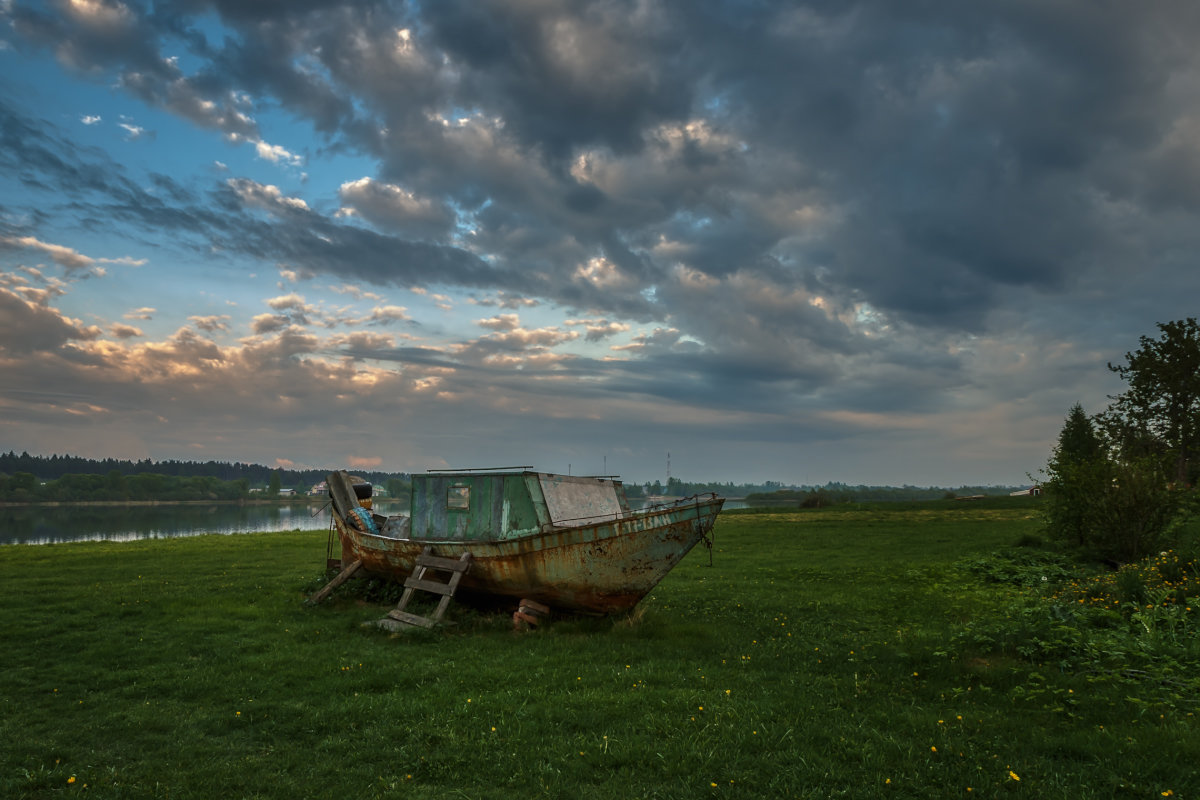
[(341, 578)]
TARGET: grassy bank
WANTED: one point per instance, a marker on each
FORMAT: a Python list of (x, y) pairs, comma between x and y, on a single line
[(839, 652)]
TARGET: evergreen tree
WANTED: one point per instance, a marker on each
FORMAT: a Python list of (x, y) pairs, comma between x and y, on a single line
[(1077, 477)]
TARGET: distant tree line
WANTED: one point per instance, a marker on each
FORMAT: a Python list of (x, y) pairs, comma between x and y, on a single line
[(83, 487), (835, 493), (810, 496), (54, 467), (679, 488), (28, 478)]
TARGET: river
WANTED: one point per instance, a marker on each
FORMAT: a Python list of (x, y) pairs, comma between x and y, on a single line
[(42, 524)]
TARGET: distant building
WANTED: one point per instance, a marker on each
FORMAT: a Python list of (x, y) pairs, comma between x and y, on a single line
[(319, 489), (1032, 491), (287, 492)]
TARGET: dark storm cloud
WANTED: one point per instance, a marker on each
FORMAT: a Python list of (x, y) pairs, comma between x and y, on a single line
[(959, 148), (812, 194), (600, 73)]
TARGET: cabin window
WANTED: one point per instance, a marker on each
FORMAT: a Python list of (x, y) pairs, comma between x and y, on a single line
[(458, 498)]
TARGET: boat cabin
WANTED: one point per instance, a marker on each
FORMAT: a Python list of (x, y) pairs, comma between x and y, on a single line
[(492, 505)]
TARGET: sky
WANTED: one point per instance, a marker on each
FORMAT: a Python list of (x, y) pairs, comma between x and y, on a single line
[(870, 242)]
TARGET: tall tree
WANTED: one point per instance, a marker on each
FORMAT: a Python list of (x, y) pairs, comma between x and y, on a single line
[(1161, 408), (1078, 440), (1077, 477)]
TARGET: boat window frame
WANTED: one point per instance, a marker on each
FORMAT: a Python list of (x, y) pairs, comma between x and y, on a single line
[(458, 497)]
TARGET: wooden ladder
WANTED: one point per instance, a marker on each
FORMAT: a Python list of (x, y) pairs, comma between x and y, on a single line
[(398, 618)]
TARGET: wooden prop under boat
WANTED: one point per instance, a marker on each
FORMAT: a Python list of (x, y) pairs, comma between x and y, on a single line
[(571, 543)]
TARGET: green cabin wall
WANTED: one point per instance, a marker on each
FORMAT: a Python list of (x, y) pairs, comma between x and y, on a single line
[(499, 507)]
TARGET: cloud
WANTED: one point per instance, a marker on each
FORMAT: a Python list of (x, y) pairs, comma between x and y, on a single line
[(89, 119), (29, 327), (277, 154), (385, 314), (265, 196), (393, 208), (269, 323), (63, 256), (122, 331), (597, 329), (211, 323), (356, 292), (134, 132), (292, 301)]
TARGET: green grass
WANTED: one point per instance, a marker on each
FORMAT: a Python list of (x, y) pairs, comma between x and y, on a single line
[(826, 653)]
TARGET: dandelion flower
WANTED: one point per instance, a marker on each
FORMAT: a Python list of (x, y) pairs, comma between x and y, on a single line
[(1014, 775), (71, 779)]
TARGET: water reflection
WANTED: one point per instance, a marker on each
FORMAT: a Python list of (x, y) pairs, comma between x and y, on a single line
[(122, 523), (49, 524)]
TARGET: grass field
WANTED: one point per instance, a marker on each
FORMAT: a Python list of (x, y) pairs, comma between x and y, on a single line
[(876, 651)]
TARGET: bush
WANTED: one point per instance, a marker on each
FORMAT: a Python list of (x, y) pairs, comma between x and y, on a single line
[(1131, 518), (1113, 511)]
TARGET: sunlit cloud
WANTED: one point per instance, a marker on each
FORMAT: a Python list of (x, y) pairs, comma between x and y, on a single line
[(277, 154)]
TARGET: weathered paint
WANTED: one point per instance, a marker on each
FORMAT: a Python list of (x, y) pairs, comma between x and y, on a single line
[(579, 500), (471, 507), (605, 564)]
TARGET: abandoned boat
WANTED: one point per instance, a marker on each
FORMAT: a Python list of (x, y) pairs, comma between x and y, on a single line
[(571, 543)]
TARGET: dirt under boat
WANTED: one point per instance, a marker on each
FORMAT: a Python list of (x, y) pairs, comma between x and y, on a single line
[(568, 542)]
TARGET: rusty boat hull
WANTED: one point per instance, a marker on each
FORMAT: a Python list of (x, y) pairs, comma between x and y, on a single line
[(603, 566)]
